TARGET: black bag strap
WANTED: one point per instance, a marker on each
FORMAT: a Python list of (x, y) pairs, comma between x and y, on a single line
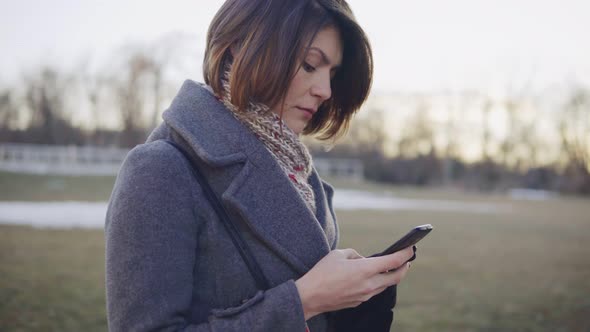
[(237, 239)]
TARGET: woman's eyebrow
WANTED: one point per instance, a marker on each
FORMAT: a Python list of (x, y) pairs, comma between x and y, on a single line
[(325, 58)]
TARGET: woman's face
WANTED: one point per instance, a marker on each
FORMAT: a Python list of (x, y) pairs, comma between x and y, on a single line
[(311, 85)]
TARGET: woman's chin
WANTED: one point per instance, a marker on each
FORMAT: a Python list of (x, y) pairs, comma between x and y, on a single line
[(297, 128)]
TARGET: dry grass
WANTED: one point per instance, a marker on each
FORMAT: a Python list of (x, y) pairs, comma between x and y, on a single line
[(52, 280), (526, 270), (27, 187)]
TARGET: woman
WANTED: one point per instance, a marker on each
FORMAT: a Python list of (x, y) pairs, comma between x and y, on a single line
[(274, 70)]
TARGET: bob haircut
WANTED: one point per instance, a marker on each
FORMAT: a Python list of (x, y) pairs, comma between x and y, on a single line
[(265, 42)]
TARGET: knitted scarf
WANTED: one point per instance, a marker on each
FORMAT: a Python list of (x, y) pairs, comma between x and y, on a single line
[(282, 143)]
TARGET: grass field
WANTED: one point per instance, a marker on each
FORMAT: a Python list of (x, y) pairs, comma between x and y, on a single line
[(26, 187), (526, 270)]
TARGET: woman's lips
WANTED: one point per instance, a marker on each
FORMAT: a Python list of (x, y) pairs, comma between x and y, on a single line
[(308, 111)]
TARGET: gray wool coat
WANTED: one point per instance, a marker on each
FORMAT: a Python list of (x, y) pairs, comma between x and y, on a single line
[(171, 266)]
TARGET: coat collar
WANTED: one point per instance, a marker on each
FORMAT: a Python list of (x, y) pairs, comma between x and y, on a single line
[(259, 192)]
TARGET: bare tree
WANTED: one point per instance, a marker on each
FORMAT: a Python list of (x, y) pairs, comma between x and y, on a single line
[(95, 89), (418, 134), (457, 107), (574, 130), (529, 142), (507, 146), (366, 136), (130, 99), (140, 91), (8, 110), (486, 132), (45, 98), (371, 133), (9, 116)]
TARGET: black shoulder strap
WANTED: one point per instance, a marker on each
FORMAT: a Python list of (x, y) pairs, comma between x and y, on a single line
[(239, 242)]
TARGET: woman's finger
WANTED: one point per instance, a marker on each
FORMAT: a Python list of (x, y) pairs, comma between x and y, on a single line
[(393, 277), (351, 253), (389, 262)]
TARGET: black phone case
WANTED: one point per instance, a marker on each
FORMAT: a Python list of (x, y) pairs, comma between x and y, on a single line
[(410, 239)]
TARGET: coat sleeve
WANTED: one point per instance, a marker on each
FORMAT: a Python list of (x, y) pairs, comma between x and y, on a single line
[(151, 241)]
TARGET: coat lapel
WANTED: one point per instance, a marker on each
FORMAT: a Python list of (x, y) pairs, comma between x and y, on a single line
[(252, 184)]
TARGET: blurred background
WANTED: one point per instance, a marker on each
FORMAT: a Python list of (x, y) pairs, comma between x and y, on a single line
[(478, 123)]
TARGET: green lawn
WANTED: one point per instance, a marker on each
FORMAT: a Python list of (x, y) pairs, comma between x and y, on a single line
[(525, 270), (26, 187)]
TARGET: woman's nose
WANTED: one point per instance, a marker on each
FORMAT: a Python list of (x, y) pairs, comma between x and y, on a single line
[(322, 87)]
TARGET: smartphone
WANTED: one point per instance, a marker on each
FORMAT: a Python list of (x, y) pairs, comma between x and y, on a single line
[(416, 234)]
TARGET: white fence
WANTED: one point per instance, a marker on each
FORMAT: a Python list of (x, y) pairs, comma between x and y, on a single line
[(90, 160), (68, 160), (351, 169)]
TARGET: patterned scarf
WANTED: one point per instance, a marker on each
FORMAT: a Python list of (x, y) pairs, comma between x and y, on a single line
[(282, 143)]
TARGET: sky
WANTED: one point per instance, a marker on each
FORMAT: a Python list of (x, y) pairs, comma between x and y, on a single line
[(419, 45)]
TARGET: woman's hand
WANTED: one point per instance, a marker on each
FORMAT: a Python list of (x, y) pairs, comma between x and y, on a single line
[(345, 279)]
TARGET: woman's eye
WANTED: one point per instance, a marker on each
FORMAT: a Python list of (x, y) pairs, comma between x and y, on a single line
[(308, 68)]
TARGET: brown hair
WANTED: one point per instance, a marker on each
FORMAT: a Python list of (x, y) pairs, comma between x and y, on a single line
[(268, 39)]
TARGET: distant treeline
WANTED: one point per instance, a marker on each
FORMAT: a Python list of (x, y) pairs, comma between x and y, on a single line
[(401, 138), (521, 140), (484, 175)]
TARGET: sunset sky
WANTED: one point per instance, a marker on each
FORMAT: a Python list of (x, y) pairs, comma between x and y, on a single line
[(426, 45)]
